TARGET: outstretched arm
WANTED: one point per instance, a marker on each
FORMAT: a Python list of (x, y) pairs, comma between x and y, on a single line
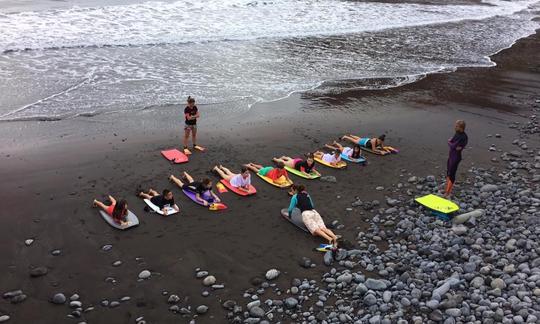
[(292, 205)]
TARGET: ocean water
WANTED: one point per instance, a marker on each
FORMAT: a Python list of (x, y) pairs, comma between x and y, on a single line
[(83, 58)]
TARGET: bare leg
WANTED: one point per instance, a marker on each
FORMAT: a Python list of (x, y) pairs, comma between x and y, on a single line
[(318, 154), (176, 181), (153, 193), (188, 177), (286, 160), (145, 195), (330, 233), (334, 147), (194, 136), (99, 204), (351, 138), (113, 201), (187, 132), (321, 233), (252, 167), (222, 174), (227, 171)]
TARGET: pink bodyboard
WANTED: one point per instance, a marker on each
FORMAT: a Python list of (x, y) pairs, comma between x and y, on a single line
[(237, 191), (175, 156)]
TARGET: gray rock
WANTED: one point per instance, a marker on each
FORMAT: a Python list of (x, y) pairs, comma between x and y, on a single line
[(38, 272), (28, 242), (4, 318), (145, 274), (106, 247), (291, 302), (272, 274), (209, 280), (489, 188), (13, 293), (370, 300), (59, 299), (256, 312), (330, 179), (375, 284), (498, 283)]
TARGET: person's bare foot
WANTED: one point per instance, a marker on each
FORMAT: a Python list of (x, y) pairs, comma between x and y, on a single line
[(141, 194), (94, 203)]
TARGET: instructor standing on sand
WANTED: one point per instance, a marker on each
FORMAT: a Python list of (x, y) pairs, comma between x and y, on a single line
[(191, 114), (456, 145)]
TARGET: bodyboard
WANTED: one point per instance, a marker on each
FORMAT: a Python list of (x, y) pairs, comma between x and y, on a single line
[(270, 181), (313, 175), (175, 156), (193, 196), (339, 165), (360, 160), (131, 219), (170, 210), (438, 204), (237, 191), (296, 218)]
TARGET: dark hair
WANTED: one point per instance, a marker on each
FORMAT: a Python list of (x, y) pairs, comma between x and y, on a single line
[(382, 137), (190, 100), (166, 192), (310, 155), (336, 152), (357, 151), (206, 181), (280, 165), (243, 169), (119, 210), (300, 187)]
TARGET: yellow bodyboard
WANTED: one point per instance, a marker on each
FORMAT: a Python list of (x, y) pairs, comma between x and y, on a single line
[(438, 204), (339, 165), (283, 185)]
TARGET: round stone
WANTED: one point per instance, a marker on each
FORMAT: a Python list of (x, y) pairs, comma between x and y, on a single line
[(58, 299), (145, 274)]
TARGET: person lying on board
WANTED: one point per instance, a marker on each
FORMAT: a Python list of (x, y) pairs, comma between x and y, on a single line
[(306, 166), (118, 210), (310, 217), (332, 159), (278, 174), (354, 152), (240, 180), (374, 144), (162, 201), (202, 189)]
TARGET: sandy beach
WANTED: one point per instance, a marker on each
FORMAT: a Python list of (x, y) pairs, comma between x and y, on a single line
[(51, 171)]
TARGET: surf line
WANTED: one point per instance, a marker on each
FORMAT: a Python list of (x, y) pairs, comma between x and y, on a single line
[(54, 95)]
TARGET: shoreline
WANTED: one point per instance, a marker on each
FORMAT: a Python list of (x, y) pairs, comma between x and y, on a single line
[(61, 179)]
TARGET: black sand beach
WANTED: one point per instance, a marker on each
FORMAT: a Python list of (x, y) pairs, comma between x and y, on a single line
[(52, 170)]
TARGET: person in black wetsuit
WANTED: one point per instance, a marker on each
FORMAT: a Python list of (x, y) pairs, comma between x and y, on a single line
[(456, 145), (162, 201), (203, 189)]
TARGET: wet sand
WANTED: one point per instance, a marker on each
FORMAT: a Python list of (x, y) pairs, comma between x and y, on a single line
[(51, 171)]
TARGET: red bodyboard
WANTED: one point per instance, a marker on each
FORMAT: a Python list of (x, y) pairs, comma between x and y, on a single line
[(237, 191), (175, 156)]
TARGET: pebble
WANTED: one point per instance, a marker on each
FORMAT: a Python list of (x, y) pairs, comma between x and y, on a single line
[(4, 318), (29, 242), (145, 274), (330, 179), (106, 247), (291, 302), (209, 281), (498, 283), (272, 274), (202, 309), (59, 299), (38, 272)]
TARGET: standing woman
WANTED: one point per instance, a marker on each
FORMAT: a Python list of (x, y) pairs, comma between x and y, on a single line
[(191, 114), (456, 145)]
